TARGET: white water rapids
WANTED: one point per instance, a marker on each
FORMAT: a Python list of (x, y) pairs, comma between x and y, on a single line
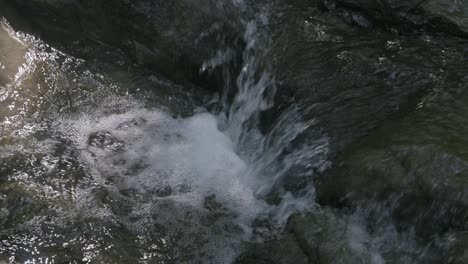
[(173, 172)]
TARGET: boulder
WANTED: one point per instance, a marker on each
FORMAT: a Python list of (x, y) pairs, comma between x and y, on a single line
[(325, 236), (331, 237), (424, 187), (173, 38), (350, 80), (415, 166)]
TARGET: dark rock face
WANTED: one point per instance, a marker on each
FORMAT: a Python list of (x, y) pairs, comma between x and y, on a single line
[(326, 236), (450, 13), (412, 169), (350, 80), (418, 159), (401, 16), (158, 34), (283, 251), (164, 35), (455, 250), (426, 187)]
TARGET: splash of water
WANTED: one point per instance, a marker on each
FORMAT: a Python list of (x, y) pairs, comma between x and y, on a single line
[(178, 172), (264, 154)]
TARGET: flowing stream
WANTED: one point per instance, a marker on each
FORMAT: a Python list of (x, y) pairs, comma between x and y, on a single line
[(103, 161), (108, 165)]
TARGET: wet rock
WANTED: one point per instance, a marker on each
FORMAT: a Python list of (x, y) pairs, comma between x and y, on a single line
[(348, 81), (211, 204), (18, 203), (423, 187), (283, 251), (455, 248), (402, 16), (450, 247), (400, 169), (137, 122), (325, 236), (328, 237), (415, 165), (163, 191), (174, 38), (448, 16)]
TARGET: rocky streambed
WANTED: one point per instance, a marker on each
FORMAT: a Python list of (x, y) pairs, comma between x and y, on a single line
[(320, 131)]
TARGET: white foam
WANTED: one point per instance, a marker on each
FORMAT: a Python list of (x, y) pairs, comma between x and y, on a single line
[(149, 150), (266, 161), (189, 152)]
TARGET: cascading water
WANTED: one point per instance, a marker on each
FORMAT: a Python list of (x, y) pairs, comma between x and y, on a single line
[(171, 170), (266, 163), (102, 161)]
